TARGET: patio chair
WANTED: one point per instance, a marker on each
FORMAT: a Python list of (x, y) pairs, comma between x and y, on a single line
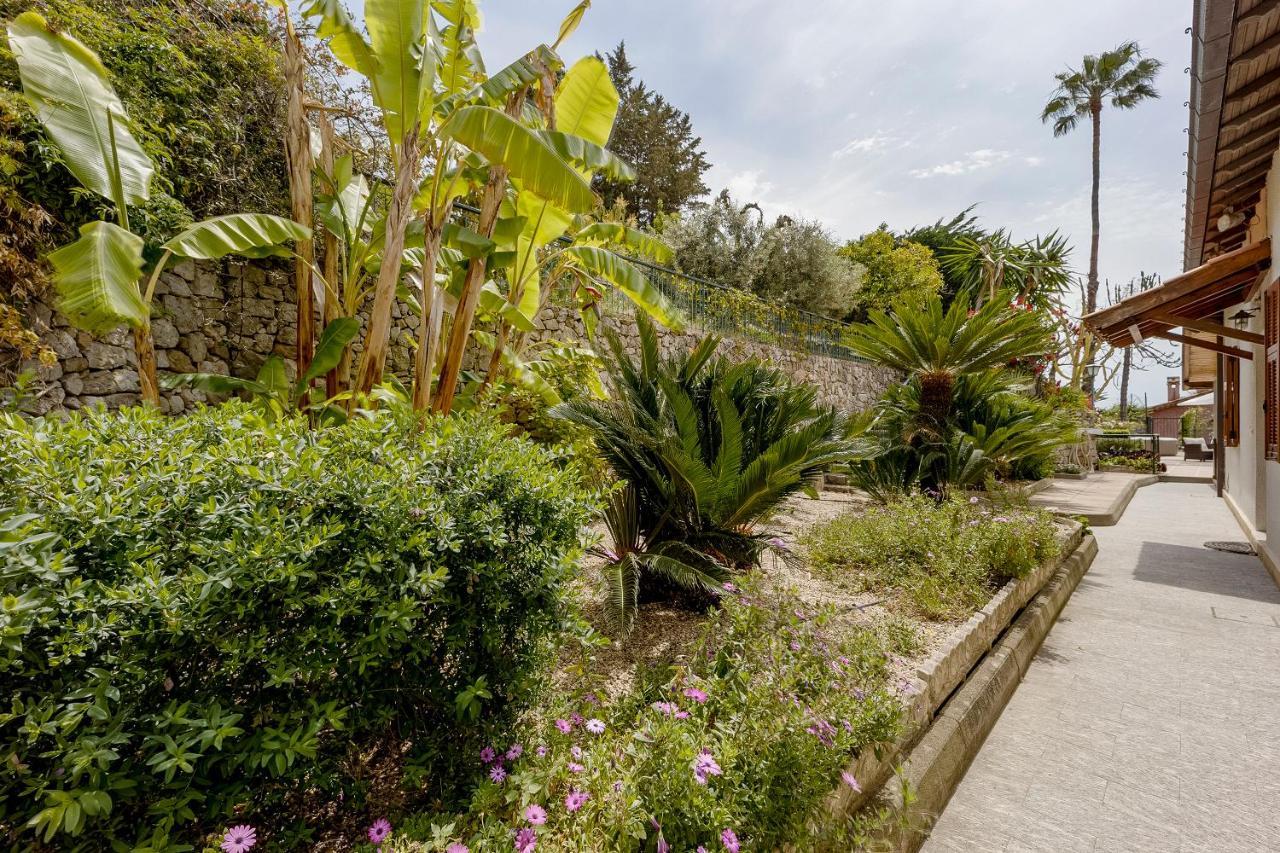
[(1195, 449)]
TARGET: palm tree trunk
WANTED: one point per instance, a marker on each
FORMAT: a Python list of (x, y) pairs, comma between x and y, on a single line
[(374, 359), (1091, 292), (936, 388)]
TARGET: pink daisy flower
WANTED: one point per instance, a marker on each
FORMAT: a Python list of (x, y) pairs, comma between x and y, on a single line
[(575, 800), (851, 781), (575, 767), (239, 839), (536, 815), (488, 754), (498, 773), (699, 696), (526, 840), (379, 831), (455, 847), (514, 752), (564, 726), (729, 839), (596, 727)]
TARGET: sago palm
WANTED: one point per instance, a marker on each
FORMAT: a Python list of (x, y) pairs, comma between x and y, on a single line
[(707, 448), (935, 347), (1122, 78)]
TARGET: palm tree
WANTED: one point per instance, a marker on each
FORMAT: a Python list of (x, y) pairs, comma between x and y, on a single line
[(936, 347), (1123, 77)]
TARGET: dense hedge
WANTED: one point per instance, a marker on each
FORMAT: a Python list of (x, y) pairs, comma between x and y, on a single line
[(214, 616)]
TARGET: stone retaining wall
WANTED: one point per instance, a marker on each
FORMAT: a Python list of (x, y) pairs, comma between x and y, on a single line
[(229, 317)]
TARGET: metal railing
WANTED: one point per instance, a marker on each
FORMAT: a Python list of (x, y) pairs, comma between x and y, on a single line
[(1130, 440), (732, 313)]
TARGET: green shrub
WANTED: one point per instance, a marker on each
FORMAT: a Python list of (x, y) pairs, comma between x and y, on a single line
[(216, 615), (940, 560), (751, 736)]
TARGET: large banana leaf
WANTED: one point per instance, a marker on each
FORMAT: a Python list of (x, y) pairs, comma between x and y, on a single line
[(586, 101), (333, 340), (461, 65), (253, 235), (588, 156), (617, 234), (343, 205), (504, 141), (603, 264), (406, 47), (97, 278), (71, 92)]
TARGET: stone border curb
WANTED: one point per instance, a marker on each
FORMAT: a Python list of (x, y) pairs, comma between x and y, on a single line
[(949, 668), (938, 762)]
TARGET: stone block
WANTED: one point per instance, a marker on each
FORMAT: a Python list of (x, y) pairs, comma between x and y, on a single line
[(195, 346), (206, 283), (184, 269), (164, 333), (62, 343), (102, 356), (179, 362), (183, 312)]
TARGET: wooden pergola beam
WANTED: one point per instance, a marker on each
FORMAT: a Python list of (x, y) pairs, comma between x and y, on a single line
[(1249, 88), (1208, 326), (1242, 200), (1251, 139), (1228, 168), (1265, 108), (1247, 177), (1209, 345)]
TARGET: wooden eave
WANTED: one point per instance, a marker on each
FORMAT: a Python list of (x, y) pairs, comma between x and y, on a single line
[(1234, 121), (1192, 300)]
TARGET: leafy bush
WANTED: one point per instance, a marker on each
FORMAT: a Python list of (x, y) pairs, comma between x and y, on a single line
[(939, 560), (750, 738), (220, 615), (707, 448)]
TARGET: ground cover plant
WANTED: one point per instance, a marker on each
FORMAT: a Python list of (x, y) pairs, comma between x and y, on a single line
[(738, 748), (938, 560), (222, 618)]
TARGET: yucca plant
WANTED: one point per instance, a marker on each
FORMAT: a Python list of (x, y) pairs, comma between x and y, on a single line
[(707, 448)]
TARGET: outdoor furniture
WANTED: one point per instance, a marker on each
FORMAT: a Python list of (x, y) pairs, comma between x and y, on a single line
[(1168, 446), (1196, 449)]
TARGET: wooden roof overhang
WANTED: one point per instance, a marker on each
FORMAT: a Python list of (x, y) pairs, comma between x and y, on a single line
[(1234, 122), (1192, 300)]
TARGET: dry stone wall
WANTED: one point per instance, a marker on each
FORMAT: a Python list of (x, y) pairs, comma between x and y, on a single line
[(229, 317)]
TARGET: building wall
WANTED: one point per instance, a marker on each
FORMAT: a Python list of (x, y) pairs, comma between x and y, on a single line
[(229, 317)]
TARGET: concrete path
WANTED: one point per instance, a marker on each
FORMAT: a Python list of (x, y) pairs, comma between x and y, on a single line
[(1150, 720)]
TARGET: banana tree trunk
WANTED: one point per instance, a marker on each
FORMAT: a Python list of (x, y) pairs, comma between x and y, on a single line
[(298, 156), (145, 348), (374, 359), (432, 316), (465, 313), (331, 308), (495, 359)]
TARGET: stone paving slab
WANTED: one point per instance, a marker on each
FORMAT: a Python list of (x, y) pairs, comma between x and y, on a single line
[(1101, 498), (1150, 719)]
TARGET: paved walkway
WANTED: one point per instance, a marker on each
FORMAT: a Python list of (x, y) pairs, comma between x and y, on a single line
[(1150, 720), (1102, 494)]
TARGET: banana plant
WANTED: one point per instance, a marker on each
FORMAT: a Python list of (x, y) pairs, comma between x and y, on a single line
[(554, 244), (271, 388), (99, 277)]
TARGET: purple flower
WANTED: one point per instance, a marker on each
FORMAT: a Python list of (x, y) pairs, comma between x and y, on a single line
[(488, 754), (617, 786), (455, 847), (596, 727), (575, 800), (851, 781), (681, 715), (701, 849), (729, 839), (663, 846), (664, 708), (695, 694), (728, 587), (498, 773), (575, 751), (379, 831), (238, 839), (541, 751), (536, 815), (564, 726), (514, 752), (575, 767), (526, 840), (777, 543), (576, 718), (973, 500), (705, 765)]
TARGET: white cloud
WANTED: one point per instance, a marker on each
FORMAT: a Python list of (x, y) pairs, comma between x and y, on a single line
[(863, 145), (974, 161)]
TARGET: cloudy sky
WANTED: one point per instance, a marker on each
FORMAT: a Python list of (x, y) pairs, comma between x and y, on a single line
[(859, 112)]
